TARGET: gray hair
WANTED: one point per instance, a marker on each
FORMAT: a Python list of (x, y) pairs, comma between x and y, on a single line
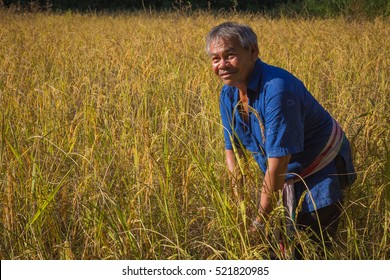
[(231, 30)]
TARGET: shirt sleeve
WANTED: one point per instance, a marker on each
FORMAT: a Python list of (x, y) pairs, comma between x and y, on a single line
[(284, 119), (225, 106)]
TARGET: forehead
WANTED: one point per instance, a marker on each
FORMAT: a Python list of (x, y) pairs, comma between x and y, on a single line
[(220, 45)]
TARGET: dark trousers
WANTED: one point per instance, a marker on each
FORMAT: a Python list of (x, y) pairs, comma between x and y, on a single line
[(322, 224)]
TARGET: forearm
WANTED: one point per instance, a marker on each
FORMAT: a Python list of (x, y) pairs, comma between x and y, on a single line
[(235, 176), (273, 182), (230, 161)]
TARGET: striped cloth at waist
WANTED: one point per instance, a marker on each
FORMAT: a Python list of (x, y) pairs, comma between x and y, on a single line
[(328, 153)]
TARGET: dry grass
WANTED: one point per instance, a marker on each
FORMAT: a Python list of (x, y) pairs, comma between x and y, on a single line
[(111, 147)]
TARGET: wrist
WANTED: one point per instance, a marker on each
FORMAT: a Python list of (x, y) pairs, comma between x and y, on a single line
[(258, 225)]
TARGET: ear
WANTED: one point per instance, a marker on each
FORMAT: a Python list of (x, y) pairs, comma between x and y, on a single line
[(254, 52)]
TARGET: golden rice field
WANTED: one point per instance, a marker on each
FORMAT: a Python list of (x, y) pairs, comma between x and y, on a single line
[(111, 145)]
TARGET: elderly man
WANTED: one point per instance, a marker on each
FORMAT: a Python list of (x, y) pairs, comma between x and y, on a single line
[(295, 141)]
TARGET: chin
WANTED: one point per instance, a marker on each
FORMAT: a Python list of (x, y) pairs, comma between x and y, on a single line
[(227, 81)]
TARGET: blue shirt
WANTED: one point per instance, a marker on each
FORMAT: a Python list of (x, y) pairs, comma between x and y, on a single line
[(284, 119)]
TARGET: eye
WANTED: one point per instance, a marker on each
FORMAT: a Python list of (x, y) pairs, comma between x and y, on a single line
[(215, 59)]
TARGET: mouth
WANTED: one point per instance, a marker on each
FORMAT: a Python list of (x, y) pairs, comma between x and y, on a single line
[(225, 74)]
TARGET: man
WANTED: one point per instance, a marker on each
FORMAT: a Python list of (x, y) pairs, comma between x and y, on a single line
[(269, 112)]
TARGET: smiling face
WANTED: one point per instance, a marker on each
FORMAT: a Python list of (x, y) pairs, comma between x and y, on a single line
[(232, 63)]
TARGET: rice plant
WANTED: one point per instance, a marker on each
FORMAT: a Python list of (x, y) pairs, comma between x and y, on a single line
[(111, 143)]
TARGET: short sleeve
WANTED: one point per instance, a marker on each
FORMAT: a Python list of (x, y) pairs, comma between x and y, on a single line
[(226, 110), (284, 119)]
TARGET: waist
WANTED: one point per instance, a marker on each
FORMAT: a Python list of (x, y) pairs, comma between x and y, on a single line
[(327, 154)]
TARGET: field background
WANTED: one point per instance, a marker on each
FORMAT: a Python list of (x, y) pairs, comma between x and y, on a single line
[(111, 145)]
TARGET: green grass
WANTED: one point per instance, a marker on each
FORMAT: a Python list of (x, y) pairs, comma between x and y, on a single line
[(111, 145)]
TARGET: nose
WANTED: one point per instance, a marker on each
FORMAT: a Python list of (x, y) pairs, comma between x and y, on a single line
[(223, 63)]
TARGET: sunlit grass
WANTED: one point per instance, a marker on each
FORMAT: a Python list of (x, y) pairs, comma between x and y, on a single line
[(111, 144)]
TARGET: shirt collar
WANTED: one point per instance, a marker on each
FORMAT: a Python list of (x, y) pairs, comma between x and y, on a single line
[(254, 80)]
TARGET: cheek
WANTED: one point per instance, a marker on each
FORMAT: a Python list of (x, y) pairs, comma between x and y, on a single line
[(235, 63), (215, 68)]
